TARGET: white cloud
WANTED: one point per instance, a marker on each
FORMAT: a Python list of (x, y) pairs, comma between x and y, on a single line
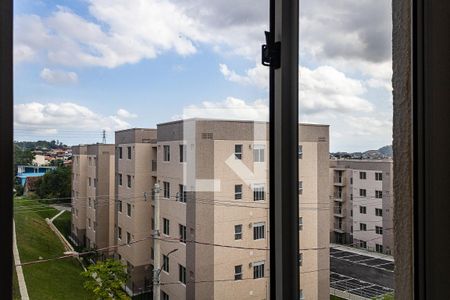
[(327, 89), (257, 76), (52, 117), (230, 108), (117, 33), (320, 89), (124, 114), (58, 76)]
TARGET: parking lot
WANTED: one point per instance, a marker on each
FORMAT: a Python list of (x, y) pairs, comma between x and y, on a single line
[(362, 274)]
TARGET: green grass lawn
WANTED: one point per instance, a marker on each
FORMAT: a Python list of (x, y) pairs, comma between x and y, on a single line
[(63, 224), (332, 297), (57, 279)]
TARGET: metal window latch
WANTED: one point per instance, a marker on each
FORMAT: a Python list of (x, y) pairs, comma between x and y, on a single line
[(271, 52)]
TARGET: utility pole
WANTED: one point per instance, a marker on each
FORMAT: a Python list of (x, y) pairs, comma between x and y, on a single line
[(104, 137), (156, 245)]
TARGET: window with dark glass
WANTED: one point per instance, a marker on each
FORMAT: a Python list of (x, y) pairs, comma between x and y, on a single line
[(129, 181), (238, 151), (182, 274), (166, 153), (362, 175), (378, 212), (166, 263), (362, 227), (258, 192), (120, 152), (362, 193), (238, 232), (238, 272), (129, 209), (362, 209), (166, 226), (166, 186), (259, 231), (182, 193), (238, 191), (182, 153), (182, 230), (129, 152), (258, 270), (379, 194)]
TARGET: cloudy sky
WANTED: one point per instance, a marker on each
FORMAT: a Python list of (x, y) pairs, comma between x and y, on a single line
[(83, 66)]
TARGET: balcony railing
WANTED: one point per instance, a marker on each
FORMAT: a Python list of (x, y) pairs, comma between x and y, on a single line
[(338, 195), (339, 180), (338, 226), (339, 210)]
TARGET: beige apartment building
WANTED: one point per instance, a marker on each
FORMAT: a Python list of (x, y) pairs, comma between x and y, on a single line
[(213, 199), (214, 209), (135, 178), (93, 196), (362, 201)]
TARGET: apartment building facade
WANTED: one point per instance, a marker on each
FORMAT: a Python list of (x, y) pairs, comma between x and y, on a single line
[(93, 196), (135, 176), (214, 203), (362, 204)]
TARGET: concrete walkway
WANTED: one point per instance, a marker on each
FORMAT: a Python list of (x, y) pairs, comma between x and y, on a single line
[(60, 213), (19, 271)]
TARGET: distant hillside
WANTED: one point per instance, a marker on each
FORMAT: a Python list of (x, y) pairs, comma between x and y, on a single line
[(40, 145), (382, 153)]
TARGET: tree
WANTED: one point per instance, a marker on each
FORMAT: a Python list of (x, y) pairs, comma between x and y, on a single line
[(105, 279), (22, 157), (55, 184)]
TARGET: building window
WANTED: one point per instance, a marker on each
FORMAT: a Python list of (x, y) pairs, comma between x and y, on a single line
[(128, 238), (300, 187), (238, 191), (238, 151), (95, 182), (362, 244), (362, 227), (182, 274), (120, 152), (258, 270), (351, 180), (238, 232), (89, 223), (238, 272), (378, 230), (258, 231), (164, 296), (166, 263), (378, 212), (379, 176), (351, 197), (300, 151), (129, 209), (120, 205), (362, 210), (362, 193), (119, 233), (129, 152), (89, 180), (120, 178), (90, 202), (166, 153), (300, 223), (379, 194), (166, 226), (379, 248), (166, 186), (258, 153), (129, 181), (152, 253), (182, 193), (182, 153), (362, 175), (182, 230), (258, 192)]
